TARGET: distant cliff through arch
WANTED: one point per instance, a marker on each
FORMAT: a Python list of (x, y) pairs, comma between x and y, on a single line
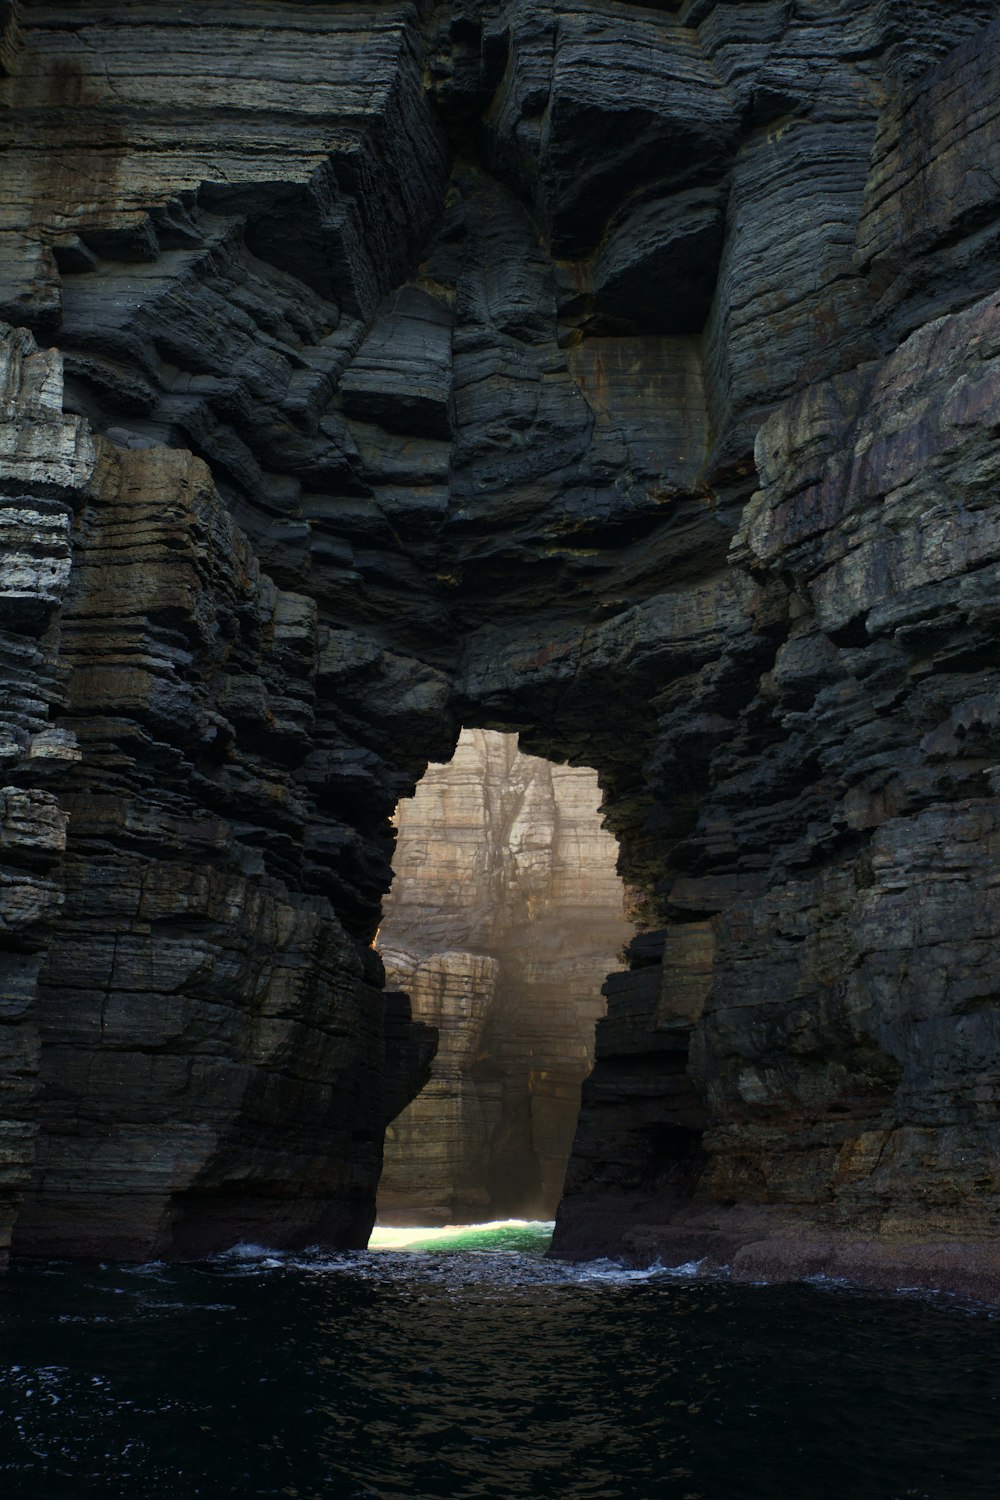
[(504, 917)]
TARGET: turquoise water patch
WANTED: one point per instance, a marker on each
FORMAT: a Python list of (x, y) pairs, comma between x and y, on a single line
[(522, 1236)]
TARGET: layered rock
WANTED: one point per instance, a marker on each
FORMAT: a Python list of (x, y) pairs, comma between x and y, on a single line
[(46, 459), (504, 916), (618, 375), (192, 992)]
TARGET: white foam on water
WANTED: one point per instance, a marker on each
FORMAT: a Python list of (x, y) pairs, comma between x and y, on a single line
[(613, 1271), (501, 1252), (252, 1256), (689, 1268)]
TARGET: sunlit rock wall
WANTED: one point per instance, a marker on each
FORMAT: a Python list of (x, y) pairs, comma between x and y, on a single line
[(504, 917)]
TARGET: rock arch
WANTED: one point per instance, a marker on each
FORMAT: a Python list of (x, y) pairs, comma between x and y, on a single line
[(676, 460)]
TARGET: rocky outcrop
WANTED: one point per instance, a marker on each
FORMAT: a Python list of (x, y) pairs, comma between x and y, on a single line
[(178, 990), (618, 375), (45, 460), (505, 915)]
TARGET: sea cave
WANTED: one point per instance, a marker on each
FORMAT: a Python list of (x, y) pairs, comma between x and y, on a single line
[(499, 682)]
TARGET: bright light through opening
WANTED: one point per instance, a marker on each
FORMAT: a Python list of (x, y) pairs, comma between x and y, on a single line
[(497, 1234)]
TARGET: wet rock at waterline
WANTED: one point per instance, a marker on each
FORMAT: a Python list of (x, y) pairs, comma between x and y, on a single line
[(622, 376)]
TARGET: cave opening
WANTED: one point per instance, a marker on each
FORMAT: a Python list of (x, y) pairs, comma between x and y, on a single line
[(505, 915)]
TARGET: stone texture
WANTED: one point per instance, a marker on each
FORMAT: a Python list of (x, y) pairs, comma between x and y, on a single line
[(104, 161), (597, 103), (619, 375), (504, 916), (931, 201), (181, 989), (46, 459)]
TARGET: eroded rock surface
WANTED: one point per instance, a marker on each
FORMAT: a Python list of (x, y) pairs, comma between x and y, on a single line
[(621, 375), (504, 917)]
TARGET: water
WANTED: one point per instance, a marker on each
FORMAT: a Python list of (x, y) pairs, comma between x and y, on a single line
[(497, 1235), (470, 1372)]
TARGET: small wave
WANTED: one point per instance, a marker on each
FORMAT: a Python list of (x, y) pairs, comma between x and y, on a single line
[(687, 1269), (616, 1271), (245, 1251), (499, 1252)]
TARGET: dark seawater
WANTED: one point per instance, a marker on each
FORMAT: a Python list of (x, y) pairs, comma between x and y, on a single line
[(416, 1375)]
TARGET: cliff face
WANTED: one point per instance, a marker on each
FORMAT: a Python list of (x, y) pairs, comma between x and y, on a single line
[(177, 993), (622, 375), (504, 917)]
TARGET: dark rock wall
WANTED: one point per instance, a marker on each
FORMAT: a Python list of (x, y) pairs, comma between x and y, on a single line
[(622, 375), (195, 997)]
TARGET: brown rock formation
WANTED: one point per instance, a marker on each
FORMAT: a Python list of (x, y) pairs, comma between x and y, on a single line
[(504, 917)]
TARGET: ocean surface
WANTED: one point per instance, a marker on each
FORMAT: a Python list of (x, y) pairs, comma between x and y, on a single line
[(459, 1363)]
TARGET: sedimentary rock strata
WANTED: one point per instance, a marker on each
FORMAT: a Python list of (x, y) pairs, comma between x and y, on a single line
[(619, 375)]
